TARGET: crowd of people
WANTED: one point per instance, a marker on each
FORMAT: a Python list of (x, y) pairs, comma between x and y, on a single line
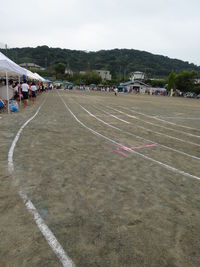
[(27, 90), (22, 92)]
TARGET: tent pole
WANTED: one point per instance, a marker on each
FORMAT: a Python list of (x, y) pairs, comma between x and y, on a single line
[(8, 107), (20, 98)]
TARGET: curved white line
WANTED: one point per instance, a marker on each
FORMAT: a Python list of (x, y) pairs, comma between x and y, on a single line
[(127, 122), (154, 124), (178, 117), (137, 136), (156, 118), (47, 233), (155, 132), (92, 115), (168, 167), (117, 118)]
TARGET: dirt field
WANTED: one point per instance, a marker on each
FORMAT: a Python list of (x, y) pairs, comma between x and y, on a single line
[(116, 179)]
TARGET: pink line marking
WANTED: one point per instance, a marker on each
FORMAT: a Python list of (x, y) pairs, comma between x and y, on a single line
[(125, 148), (120, 152)]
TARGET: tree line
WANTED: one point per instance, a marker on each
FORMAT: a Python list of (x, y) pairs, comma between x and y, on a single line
[(119, 61)]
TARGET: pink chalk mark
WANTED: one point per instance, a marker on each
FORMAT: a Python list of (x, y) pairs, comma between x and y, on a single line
[(125, 148), (120, 152), (128, 149)]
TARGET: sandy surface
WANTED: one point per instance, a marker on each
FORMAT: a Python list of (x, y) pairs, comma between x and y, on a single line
[(107, 206)]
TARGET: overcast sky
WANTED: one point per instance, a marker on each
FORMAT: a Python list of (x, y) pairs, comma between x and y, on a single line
[(165, 27)]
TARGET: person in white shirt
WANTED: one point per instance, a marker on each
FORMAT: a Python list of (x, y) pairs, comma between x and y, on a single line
[(116, 91), (25, 89), (33, 91)]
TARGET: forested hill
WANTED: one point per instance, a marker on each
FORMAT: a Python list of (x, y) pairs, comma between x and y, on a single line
[(118, 61)]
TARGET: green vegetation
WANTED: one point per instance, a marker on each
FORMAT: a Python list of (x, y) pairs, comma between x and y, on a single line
[(183, 81), (119, 61), (171, 81), (60, 68), (86, 78), (157, 82)]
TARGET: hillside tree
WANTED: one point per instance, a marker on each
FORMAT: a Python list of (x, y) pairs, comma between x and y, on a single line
[(171, 81)]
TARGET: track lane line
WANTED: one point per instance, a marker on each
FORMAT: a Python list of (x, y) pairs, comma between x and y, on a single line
[(92, 115), (168, 167), (44, 229), (117, 118), (156, 118), (139, 137), (155, 132), (157, 125)]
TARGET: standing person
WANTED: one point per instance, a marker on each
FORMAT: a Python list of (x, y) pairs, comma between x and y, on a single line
[(20, 91), (16, 91), (38, 87), (116, 91), (25, 89), (29, 89), (33, 92), (42, 87)]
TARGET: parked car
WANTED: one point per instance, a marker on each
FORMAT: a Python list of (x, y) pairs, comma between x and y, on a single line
[(190, 95)]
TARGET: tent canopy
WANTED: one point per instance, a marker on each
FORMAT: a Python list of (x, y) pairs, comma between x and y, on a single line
[(31, 75), (39, 77), (10, 67), (68, 83)]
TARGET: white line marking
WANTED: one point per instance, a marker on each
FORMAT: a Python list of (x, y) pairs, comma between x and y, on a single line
[(92, 115), (116, 128), (47, 233), (127, 122), (178, 117), (129, 149), (155, 132), (172, 123), (119, 119), (156, 118), (154, 124)]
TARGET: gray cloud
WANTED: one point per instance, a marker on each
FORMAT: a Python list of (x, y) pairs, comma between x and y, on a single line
[(159, 26)]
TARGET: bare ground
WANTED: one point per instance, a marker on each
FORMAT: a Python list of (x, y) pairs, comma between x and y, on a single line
[(107, 206)]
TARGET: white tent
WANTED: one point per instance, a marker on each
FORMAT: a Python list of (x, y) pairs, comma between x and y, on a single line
[(31, 75), (9, 68), (39, 77)]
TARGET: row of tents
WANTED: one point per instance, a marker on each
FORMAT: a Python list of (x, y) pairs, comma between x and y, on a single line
[(9, 68)]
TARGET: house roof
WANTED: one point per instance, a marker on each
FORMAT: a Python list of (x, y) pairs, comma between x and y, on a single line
[(102, 71), (29, 65), (138, 72), (134, 82)]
